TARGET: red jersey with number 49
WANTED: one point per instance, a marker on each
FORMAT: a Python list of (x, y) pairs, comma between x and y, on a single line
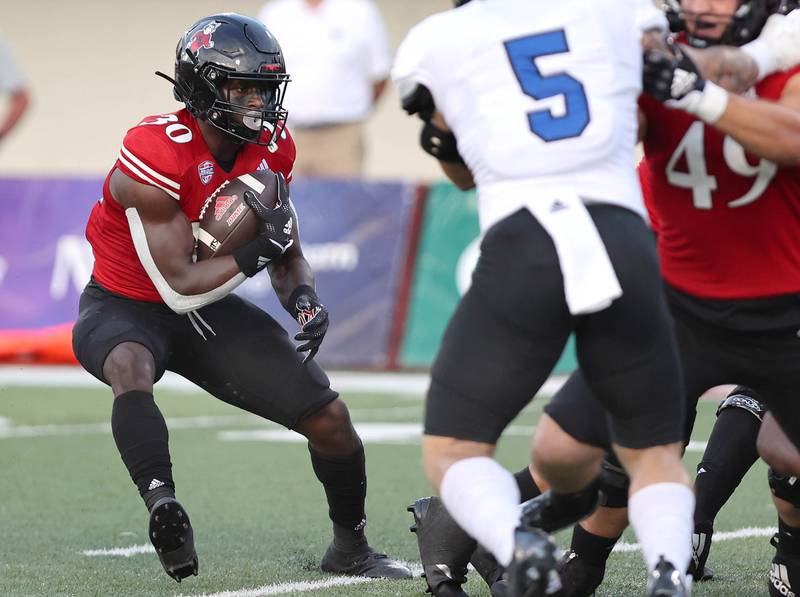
[(728, 222), (167, 151)]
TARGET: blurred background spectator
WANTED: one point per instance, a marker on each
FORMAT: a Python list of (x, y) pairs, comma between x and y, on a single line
[(12, 86), (337, 52)]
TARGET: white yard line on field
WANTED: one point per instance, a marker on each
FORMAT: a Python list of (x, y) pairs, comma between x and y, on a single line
[(120, 552), (291, 587), (205, 422), (370, 433), (725, 536), (413, 384)]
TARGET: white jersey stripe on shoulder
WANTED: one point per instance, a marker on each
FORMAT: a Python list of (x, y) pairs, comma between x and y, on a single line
[(144, 176), (150, 171), (251, 182)]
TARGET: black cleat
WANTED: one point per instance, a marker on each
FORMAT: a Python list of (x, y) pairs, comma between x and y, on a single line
[(444, 548), (784, 572), (578, 577), (532, 571), (490, 570), (364, 562), (701, 546), (171, 534), (666, 581)]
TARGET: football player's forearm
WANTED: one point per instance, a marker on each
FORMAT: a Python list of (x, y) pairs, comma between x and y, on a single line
[(766, 129), (459, 174), (288, 274), (728, 67)]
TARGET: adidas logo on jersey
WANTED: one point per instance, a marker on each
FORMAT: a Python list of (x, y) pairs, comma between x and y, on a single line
[(155, 484), (558, 205), (779, 579), (263, 165)]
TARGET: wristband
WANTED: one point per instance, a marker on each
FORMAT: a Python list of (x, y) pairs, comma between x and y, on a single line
[(291, 305), (250, 257)]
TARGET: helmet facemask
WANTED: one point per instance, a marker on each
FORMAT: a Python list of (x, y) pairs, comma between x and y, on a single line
[(221, 52), (742, 26), (245, 123)]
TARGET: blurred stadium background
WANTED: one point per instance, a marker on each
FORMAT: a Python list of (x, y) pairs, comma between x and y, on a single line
[(393, 252)]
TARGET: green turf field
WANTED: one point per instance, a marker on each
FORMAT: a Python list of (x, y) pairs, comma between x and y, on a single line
[(259, 514)]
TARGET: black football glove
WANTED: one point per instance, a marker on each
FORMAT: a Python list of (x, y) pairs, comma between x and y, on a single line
[(274, 231), (675, 80), (312, 317)]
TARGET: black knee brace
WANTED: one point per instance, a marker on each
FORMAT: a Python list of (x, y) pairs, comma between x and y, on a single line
[(785, 487)]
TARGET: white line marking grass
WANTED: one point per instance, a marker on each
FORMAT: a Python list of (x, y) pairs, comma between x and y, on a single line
[(292, 587), (744, 533), (120, 552), (303, 586), (400, 384), (370, 433)]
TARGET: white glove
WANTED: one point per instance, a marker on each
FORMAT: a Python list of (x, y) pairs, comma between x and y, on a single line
[(778, 46)]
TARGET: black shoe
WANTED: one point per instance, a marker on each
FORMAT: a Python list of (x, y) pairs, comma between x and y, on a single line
[(171, 534), (532, 571), (444, 548), (782, 571), (364, 562), (578, 577), (552, 512), (490, 570), (701, 546), (666, 581)]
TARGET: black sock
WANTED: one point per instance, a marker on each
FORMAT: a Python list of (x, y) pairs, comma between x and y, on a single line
[(594, 549), (345, 483), (143, 442), (527, 486), (788, 539), (730, 453)]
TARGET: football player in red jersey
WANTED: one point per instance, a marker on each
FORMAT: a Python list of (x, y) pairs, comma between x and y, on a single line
[(721, 181), (149, 307)]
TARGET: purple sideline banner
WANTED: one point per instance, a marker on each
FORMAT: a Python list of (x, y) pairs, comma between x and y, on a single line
[(354, 235)]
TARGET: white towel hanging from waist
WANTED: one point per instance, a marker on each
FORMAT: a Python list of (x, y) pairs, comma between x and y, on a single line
[(590, 283)]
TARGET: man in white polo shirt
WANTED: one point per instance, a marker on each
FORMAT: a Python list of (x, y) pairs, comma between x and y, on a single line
[(339, 58)]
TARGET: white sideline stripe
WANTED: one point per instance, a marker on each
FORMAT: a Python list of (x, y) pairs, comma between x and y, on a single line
[(376, 432), (292, 587), (124, 552), (696, 447), (101, 428), (744, 533), (157, 175), (402, 384)]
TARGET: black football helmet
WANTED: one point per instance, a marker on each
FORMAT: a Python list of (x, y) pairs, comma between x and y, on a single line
[(229, 47), (744, 26)]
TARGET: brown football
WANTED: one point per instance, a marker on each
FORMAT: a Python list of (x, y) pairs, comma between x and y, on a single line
[(226, 221)]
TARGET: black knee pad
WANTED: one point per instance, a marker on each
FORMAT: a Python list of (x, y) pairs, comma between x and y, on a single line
[(744, 398), (785, 487), (614, 484)]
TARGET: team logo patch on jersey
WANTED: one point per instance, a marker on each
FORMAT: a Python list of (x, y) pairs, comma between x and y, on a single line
[(202, 38), (222, 205), (206, 171)]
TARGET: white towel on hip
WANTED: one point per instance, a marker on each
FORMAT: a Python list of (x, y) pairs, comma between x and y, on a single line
[(590, 283)]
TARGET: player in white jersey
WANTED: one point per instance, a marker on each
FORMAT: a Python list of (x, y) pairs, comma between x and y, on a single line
[(535, 104)]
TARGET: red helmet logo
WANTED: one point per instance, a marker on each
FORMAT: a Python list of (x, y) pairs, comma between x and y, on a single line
[(202, 38)]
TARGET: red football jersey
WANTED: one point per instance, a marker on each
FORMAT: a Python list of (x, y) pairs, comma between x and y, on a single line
[(728, 222), (167, 151)]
